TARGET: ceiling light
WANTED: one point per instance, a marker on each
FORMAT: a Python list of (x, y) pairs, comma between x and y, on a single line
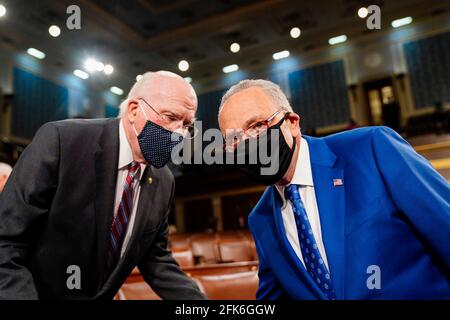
[(338, 39), (36, 53), (363, 12), (108, 69), (138, 77), (54, 31), (116, 90), (295, 32), (90, 65), (280, 55), (230, 68), (81, 74), (99, 66), (188, 79), (401, 22), (183, 65), (2, 10), (235, 47)]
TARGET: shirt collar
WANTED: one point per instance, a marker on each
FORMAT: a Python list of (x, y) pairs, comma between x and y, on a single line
[(302, 173), (125, 153)]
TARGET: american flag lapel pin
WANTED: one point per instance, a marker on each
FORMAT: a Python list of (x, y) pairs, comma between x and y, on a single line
[(337, 182)]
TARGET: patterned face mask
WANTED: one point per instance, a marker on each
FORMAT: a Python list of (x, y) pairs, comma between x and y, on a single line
[(156, 142)]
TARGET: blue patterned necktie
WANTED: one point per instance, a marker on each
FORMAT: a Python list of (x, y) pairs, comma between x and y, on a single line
[(311, 256)]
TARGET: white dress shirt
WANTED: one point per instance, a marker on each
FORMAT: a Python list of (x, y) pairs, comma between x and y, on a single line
[(125, 158), (303, 178)]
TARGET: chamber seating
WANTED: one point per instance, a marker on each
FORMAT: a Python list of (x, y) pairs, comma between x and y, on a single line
[(135, 288), (236, 250), (234, 286), (212, 248), (180, 241), (136, 291), (184, 257), (205, 248)]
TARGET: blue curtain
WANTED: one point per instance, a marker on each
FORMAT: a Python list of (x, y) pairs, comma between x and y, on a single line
[(111, 112), (319, 95), (428, 62), (36, 101)]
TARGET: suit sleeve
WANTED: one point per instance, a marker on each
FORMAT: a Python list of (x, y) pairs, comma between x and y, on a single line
[(24, 204), (269, 288), (416, 188), (162, 272)]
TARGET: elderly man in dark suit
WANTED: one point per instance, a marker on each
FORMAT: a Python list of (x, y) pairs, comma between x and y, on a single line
[(89, 199)]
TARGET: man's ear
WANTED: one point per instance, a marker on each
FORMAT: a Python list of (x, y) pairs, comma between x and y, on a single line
[(294, 124), (132, 110)]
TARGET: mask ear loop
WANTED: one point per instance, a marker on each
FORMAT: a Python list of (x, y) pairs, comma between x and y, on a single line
[(145, 116)]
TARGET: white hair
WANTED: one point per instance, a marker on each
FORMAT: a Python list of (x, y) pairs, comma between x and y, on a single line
[(141, 86), (5, 169), (271, 89)]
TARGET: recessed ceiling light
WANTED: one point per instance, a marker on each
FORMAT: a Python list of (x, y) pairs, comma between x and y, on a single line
[(401, 22), (183, 65), (90, 65), (138, 77), (108, 69), (81, 74), (363, 12), (99, 66), (295, 32), (116, 90), (2, 10), (36, 53), (338, 39), (188, 79), (280, 55), (230, 68), (235, 47), (54, 31)]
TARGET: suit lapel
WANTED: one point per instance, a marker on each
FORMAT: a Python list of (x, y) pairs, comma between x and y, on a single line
[(289, 252), (331, 203), (146, 198), (106, 159)]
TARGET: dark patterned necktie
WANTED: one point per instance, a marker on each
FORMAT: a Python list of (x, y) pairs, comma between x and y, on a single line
[(122, 217), (311, 256)]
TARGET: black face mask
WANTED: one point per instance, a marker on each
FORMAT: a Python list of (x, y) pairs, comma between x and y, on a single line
[(262, 170)]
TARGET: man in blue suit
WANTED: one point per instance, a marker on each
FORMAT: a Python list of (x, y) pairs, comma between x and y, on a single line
[(354, 215)]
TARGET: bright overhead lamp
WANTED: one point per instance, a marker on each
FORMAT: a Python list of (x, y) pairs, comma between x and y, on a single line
[(338, 39), (54, 31), (401, 22), (183, 65), (81, 74), (36, 53), (230, 68), (116, 90), (295, 32), (280, 55)]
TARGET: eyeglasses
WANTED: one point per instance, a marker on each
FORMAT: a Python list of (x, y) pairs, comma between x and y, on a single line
[(253, 131), (168, 121)]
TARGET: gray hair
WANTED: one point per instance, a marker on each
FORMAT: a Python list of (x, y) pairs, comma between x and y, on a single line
[(271, 89), (5, 169)]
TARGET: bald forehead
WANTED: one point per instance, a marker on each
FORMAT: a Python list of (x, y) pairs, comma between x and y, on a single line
[(248, 101), (246, 104), (165, 85)]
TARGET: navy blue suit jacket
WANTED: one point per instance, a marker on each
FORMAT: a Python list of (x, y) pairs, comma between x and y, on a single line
[(392, 212)]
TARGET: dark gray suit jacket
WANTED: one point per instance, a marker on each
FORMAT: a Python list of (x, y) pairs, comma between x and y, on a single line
[(56, 211)]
